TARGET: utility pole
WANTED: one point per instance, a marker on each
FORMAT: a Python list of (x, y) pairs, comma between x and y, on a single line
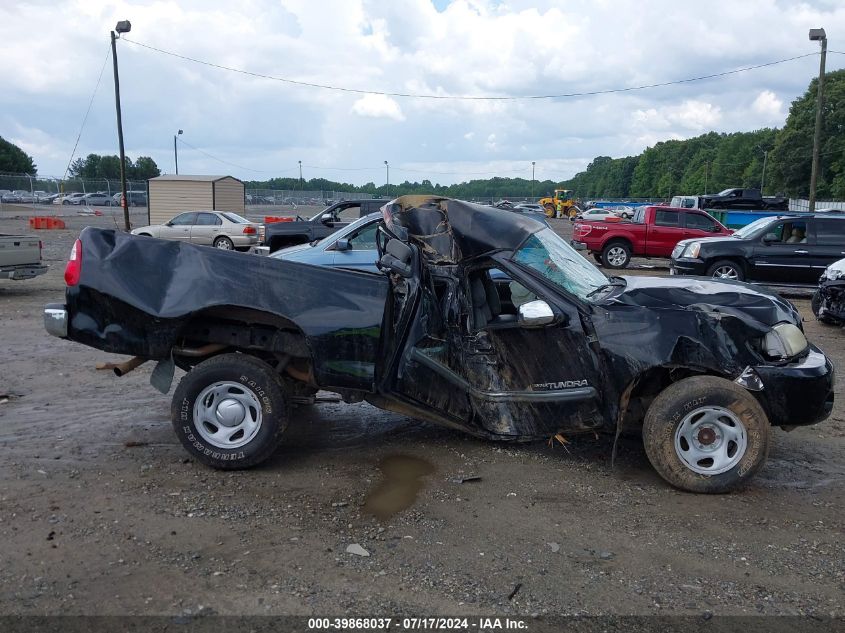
[(300, 176), (387, 177), (532, 179), (175, 154), (817, 35), (122, 27), (763, 177), (706, 166)]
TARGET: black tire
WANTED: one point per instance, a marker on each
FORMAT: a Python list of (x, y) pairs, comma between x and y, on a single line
[(719, 270), (616, 254), (549, 210), (224, 243), (680, 403), (253, 377), (597, 257), (815, 306)]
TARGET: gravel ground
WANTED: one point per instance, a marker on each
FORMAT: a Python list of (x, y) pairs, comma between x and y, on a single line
[(104, 513)]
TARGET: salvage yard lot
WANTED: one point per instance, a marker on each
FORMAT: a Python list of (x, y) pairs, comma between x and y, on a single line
[(104, 514)]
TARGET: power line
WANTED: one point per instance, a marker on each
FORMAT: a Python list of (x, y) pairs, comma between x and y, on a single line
[(411, 95), (225, 162), (88, 111)]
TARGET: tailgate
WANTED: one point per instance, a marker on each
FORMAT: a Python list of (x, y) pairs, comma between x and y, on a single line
[(17, 250)]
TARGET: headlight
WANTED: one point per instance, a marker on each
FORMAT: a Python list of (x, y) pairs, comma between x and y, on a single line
[(693, 250), (784, 341)]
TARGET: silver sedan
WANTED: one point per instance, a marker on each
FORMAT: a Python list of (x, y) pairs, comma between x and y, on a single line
[(221, 229)]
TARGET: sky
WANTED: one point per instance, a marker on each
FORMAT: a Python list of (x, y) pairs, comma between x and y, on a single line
[(53, 51)]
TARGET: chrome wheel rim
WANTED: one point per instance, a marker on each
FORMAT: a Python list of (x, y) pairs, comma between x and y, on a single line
[(224, 244), (227, 415), (617, 256), (711, 440), (725, 272)]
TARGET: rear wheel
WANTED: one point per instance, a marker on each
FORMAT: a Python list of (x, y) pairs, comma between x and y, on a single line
[(706, 434), (726, 269), (616, 255), (230, 411), (224, 243), (550, 209)]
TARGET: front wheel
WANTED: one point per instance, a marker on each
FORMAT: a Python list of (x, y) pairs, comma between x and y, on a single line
[(230, 411), (706, 434), (726, 269), (549, 210), (616, 255), (224, 243)]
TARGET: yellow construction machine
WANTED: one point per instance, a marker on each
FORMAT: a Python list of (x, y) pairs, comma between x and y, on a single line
[(560, 206)]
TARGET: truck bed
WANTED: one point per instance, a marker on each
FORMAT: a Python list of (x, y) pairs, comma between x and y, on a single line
[(20, 257)]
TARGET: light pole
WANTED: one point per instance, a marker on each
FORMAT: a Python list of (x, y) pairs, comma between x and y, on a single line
[(763, 176), (175, 153), (817, 35), (532, 179), (387, 177), (300, 176), (124, 26)]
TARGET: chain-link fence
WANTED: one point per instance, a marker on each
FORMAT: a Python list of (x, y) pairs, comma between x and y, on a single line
[(26, 189)]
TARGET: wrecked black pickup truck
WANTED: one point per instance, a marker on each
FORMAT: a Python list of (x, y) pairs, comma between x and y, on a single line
[(701, 367)]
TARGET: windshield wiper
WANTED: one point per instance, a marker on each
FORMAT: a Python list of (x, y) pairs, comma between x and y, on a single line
[(616, 282)]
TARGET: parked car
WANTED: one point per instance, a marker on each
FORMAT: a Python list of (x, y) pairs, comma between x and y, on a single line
[(99, 199), (70, 198), (283, 234), (42, 197), (828, 302), (738, 198), (136, 198), (221, 229), (20, 257), (653, 232), (11, 197), (3, 194), (603, 215), (782, 249), (432, 336)]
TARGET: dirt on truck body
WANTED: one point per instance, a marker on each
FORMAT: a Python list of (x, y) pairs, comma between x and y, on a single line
[(552, 348)]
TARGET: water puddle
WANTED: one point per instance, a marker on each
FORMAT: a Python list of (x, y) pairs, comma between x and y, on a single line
[(400, 484)]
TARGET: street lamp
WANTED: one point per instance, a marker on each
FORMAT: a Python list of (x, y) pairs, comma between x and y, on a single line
[(532, 179), (387, 177), (817, 35), (124, 26), (175, 153), (300, 176)]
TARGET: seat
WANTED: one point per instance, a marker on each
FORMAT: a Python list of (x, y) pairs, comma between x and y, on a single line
[(486, 304)]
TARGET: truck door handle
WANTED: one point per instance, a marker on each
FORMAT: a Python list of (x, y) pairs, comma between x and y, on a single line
[(801, 252)]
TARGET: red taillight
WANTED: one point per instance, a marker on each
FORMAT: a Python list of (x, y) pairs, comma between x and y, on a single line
[(249, 230), (74, 264)]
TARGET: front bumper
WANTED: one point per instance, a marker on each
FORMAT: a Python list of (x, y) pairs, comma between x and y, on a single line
[(687, 266), (55, 319), (578, 246), (798, 393)]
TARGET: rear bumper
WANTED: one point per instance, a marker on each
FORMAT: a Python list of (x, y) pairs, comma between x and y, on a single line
[(798, 393), (23, 272), (55, 319)]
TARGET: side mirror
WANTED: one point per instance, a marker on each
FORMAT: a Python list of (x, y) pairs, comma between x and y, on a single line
[(769, 238), (397, 258), (342, 244), (716, 229), (535, 314), (169, 223), (326, 218)]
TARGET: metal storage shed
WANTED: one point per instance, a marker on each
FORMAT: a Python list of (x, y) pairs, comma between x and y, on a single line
[(170, 195)]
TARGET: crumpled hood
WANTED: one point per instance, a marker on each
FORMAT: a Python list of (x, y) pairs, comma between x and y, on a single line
[(708, 295)]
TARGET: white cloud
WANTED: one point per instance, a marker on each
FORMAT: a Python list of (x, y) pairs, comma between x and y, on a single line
[(378, 107), (769, 106)]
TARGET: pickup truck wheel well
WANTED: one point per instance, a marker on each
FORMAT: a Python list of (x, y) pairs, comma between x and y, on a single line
[(271, 338), (641, 391)]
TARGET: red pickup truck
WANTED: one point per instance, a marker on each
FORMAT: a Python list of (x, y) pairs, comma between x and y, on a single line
[(652, 232)]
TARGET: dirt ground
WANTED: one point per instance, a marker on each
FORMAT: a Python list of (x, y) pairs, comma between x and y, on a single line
[(102, 511)]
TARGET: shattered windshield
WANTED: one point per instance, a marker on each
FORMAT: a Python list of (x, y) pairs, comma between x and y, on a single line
[(547, 254)]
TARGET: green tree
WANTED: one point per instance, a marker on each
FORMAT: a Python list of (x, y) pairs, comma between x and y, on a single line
[(14, 160)]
